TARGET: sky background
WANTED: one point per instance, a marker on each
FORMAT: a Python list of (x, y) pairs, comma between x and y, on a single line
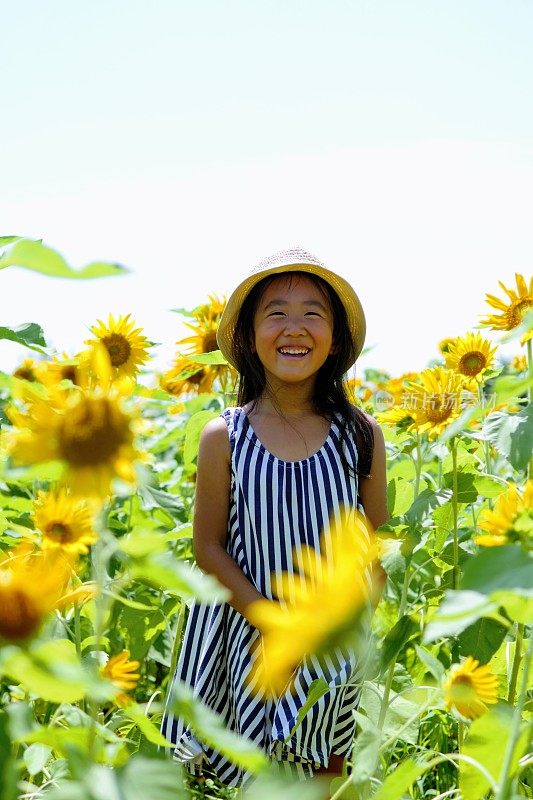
[(188, 140)]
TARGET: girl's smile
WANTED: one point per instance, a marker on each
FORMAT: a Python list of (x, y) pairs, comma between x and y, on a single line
[(293, 329)]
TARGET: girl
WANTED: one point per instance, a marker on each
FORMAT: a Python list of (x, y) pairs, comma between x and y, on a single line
[(270, 472)]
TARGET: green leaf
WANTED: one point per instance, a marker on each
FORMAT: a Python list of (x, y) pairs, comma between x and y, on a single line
[(29, 334), (212, 729), (167, 572), (433, 664), (486, 744), (489, 485), (426, 500), (34, 255), (443, 519), (512, 435), (5, 240), (35, 757), (52, 670), (396, 784), (398, 712), (404, 630), (193, 432), (144, 778), (482, 639), (517, 605), (8, 782), (317, 689), (365, 755), (145, 725), (400, 495), (466, 488), (458, 610), (213, 358), (494, 568)]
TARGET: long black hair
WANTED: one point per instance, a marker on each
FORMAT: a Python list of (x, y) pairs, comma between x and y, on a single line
[(330, 395)]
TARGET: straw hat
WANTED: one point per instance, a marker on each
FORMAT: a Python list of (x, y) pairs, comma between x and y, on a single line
[(292, 260)]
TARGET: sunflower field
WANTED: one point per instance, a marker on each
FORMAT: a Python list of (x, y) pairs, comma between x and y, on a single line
[(97, 569)]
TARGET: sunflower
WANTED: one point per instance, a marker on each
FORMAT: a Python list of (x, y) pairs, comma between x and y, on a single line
[(65, 522), (510, 520), (392, 400), (444, 344), (27, 370), (315, 612), (435, 402), (469, 688), (514, 309), (519, 363), (31, 584), (470, 355), (121, 672), (127, 348), (63, 368), (88, 432), (187, 377), (78, 596)]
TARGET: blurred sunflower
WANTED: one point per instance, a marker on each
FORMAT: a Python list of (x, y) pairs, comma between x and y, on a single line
[(65, 522), (514, 309), (185, 376), (392, 400), (89, 432), (79, 595), (444, 344), (470, 355), (519, 363), (61, 368), (511, 519), (469, 688), (31, 584), (122, 673), (27, 370), (435, 402), (127, 348), (317, 610)]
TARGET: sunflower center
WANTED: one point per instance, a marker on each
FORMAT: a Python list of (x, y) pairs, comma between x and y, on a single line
[(20, 618), (471, 363), (438, 410), (118, 347), (516, 312), (210, 342), (25, 373), (59, 532), (93, 432)]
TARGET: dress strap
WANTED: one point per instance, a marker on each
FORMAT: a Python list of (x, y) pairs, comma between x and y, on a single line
[(231, 417)]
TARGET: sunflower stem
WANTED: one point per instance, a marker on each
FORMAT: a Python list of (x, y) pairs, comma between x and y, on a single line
[(460, 735), (481, 394), (504, 782), (405, 588), (453, 448), (529, 345), (516, 662)]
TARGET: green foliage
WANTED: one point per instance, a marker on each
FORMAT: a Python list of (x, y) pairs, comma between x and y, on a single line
[(29, 334), (486, 744), (34, 255)]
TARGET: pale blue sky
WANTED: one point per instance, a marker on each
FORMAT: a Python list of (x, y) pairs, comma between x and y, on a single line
[(188, 140)]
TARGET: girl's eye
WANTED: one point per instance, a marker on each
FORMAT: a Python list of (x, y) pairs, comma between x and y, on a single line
[(276, 314)]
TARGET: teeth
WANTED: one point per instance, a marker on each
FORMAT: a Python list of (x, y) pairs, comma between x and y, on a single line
[(294, 350)]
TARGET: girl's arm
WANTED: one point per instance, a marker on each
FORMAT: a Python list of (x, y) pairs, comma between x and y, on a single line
[(373, 493), (211, 511)]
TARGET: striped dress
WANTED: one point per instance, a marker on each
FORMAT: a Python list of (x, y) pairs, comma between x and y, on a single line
[(275, 505)]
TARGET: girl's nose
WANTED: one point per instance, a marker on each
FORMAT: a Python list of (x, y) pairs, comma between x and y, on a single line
[(295, 327)]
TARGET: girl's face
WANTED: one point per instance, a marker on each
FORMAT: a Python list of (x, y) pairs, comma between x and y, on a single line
[(293, 329)]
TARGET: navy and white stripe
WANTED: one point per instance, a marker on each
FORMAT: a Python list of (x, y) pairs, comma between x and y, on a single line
[(275, 506)]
